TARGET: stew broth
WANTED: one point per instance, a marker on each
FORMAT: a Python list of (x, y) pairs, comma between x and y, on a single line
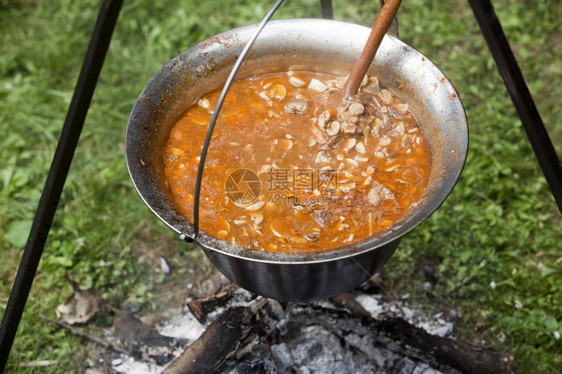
[(292, 169)]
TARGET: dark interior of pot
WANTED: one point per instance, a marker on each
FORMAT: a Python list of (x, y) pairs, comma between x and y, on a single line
[(314, 45)]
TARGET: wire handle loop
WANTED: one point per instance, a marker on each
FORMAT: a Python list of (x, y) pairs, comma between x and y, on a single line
[(218, 107)]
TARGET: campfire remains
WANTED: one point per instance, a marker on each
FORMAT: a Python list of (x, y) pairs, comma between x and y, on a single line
[(229, 330)]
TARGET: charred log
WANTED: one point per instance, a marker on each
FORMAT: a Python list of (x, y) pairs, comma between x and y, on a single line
[(225, 335), (398, 334), (201, 307)]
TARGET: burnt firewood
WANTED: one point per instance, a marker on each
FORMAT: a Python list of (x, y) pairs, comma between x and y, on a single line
[(225, 335), (144, 342), (249, 338), (466, 357), (376, 280), (396, 333), (201, 307), (220, 340), (348, 301)]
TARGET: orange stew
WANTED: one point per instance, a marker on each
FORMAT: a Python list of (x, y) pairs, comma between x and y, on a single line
[(293, 168)]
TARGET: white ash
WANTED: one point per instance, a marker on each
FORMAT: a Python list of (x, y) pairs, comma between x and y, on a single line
[(182, 326), (371, 303), (316, 350), (434, 325), (127, 364)]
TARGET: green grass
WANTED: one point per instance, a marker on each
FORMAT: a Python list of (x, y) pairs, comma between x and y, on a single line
[(499, 225)]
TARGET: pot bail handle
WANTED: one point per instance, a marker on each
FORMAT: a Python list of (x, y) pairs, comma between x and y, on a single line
[(216, 112)]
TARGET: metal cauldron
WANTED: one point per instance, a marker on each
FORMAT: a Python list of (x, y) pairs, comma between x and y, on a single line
[(301, 44)]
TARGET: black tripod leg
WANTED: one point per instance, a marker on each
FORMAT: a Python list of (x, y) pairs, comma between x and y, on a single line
[(520, 96), (327, 10), (56, 178)]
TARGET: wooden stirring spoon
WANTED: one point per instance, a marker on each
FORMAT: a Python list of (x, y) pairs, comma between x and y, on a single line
[(381, 25)]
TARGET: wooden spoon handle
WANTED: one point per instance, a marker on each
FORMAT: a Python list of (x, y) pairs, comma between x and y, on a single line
[(382, 23)]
